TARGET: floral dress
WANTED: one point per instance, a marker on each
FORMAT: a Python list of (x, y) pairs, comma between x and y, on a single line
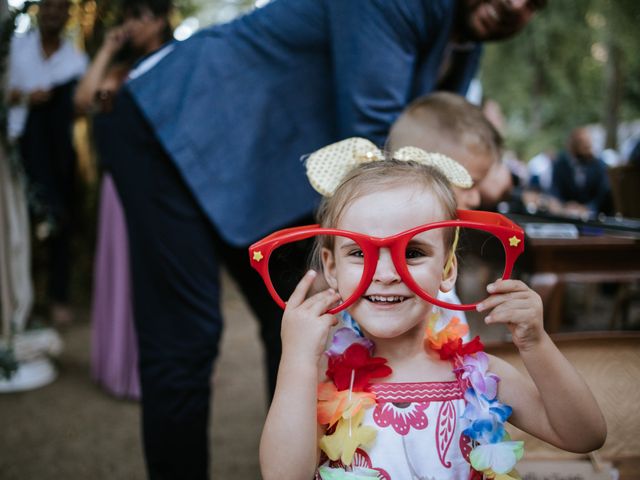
[(452, 430), (418, 433)]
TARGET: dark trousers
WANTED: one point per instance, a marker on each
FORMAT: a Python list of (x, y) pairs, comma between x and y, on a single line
[(49, 159), (175, 259)]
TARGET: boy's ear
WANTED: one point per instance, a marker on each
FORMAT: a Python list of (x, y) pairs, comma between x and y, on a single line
[(449, 275), (329, 268)]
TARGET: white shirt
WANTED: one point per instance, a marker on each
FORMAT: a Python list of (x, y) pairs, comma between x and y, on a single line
[(542, 166), (446, 315), (29, 70)]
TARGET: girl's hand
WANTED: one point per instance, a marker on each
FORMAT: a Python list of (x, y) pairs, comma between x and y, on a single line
[(514, 304), (305, 325), (115, 39)]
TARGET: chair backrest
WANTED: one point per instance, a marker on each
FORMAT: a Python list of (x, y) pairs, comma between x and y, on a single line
[(625, 189)]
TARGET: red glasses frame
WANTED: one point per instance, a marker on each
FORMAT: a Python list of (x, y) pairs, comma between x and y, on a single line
[(509, 233)]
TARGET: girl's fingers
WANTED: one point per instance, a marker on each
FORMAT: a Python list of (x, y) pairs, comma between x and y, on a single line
[(512, 315), (504, 286), (330, 319), (316, 304), (300, 293), (500, 295), (492, 302), (323, 301)]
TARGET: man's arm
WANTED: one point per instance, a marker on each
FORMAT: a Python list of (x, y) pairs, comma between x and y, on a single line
[(376, 48)]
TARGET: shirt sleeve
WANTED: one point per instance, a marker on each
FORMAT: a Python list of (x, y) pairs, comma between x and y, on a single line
[(13, 81), (375, 48)]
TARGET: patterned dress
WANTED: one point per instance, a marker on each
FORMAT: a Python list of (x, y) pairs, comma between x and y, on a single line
[(419, 433)]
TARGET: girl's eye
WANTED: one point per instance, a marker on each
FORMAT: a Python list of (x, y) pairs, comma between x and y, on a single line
[(415, 253), (356, 252)]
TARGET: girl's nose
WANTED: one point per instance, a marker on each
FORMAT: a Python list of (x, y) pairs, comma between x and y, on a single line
[(385, 270)]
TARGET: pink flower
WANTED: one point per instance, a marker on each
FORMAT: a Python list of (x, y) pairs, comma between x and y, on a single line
[(344, 338), (474, 369)]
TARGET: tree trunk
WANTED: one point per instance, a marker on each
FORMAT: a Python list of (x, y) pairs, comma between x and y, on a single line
[(613, 90)]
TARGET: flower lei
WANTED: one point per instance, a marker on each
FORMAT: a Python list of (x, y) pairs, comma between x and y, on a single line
[(343, 399)]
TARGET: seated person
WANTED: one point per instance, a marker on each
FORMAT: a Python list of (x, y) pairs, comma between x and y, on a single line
[(634, 157), (580, 178)]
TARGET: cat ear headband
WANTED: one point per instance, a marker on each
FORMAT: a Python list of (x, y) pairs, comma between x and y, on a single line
[(327, 167)]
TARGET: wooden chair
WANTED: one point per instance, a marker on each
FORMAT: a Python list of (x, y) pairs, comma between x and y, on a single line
[(625, 190), (610, 364)]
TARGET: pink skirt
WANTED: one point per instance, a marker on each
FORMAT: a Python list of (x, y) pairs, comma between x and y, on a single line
[(114, 353)]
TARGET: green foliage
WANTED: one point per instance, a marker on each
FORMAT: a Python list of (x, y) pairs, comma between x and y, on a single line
[(552, 77)]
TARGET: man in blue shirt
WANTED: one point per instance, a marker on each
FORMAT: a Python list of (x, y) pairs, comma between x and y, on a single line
[(210, 134), (579, 178)]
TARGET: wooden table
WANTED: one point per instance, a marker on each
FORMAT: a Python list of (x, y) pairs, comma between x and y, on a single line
[(551, 263)]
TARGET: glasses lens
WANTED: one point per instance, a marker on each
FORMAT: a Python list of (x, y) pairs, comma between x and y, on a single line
[(479, 257), (289, 262)]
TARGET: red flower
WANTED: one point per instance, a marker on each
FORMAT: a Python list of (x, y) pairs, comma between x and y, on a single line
[(358, 359), (454, 348)]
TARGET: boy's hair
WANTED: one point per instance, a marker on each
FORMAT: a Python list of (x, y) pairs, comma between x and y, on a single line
[(434, 121), (376, 176)]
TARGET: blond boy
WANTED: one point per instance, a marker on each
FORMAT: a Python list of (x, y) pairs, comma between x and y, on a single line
[(447, 123)]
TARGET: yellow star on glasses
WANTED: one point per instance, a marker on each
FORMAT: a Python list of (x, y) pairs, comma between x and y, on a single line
[(513, 242), (257, 255)]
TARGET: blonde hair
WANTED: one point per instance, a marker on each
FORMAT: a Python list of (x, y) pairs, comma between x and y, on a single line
[(375, 176), (438, 121)]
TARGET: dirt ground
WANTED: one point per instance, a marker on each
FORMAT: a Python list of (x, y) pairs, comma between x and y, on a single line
[(72, 430)]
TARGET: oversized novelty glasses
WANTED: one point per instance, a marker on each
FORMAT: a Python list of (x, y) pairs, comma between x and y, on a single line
[(485, 244)]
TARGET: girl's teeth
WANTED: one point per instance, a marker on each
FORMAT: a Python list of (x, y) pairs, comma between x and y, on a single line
[(375, 298)]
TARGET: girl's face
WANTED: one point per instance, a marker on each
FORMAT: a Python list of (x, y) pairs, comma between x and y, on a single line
[(389, 308), (145, 30)]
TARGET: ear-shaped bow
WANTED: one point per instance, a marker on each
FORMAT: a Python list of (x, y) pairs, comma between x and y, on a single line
[(327, 167)]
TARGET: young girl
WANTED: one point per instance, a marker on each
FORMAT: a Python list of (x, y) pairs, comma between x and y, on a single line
[(424, 407)]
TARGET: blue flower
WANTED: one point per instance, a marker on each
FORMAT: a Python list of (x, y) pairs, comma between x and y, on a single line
[(486, 417)]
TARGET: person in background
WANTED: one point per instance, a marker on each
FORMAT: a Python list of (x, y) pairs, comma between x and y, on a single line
[(579, 178), (114, 354), (634, 156), (496, 186), (541, 171), (43, 71), (208, 145), (447, 123)]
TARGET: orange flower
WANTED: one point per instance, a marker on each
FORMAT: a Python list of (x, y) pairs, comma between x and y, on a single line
[(334, 404), (453, 331)]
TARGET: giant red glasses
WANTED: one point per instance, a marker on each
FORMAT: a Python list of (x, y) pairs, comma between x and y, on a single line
[(486, 245)]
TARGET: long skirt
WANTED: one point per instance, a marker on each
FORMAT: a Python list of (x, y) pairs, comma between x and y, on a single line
[(114, 356)]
